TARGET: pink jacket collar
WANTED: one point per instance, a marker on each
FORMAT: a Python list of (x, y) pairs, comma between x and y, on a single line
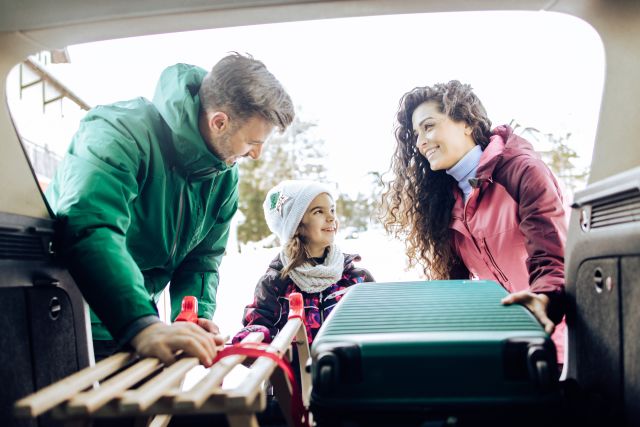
[(503, 145)]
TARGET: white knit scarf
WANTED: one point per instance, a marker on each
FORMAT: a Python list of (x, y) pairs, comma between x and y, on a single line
[(316, 278)]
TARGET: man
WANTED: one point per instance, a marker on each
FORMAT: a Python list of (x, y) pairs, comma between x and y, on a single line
[(146, 194)]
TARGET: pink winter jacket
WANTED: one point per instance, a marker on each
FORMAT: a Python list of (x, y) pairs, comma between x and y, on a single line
[(512, 228)]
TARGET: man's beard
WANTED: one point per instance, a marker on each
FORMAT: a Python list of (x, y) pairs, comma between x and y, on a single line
[(221, 147)]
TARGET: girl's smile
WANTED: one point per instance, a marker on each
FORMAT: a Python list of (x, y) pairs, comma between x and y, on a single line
[(320, 224)]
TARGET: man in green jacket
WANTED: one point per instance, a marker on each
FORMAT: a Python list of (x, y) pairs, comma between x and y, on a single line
[(146, 194)]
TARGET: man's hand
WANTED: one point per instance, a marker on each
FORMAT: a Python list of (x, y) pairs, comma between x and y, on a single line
[(163, 341), (208, 325), (536, 303)]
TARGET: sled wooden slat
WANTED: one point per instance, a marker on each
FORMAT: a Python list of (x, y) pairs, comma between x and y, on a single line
[(199, 394), (215, 404), (263, 367), (125, 385), (281, 387), (303, 355), (88, 402), (152, 390), (50, 396), (160, 421)]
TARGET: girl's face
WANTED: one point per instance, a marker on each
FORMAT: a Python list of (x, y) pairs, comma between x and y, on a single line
[(320, 224), (441, 140)]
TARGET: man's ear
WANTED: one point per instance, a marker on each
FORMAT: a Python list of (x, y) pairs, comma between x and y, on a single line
[(218, 121)]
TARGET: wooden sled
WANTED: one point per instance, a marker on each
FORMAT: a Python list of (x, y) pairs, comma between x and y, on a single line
[(105, 389)]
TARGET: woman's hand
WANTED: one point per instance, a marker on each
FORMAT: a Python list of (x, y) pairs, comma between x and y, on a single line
[(536, 303)]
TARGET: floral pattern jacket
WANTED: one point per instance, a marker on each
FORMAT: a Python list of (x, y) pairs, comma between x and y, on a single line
[(270, 307)]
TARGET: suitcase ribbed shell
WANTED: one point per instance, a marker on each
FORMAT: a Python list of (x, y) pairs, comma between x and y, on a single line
[(437, 306), (431, 344)]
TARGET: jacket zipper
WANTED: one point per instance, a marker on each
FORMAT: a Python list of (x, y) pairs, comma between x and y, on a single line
[(464, 219), (493, 261), (174, 246), (321, 310)]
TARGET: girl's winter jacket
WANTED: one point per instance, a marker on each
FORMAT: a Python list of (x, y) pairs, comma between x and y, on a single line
[(270, 307), (513, 229), (141, 201)]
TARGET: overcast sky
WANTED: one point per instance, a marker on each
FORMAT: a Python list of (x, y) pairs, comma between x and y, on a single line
[(542, 69)]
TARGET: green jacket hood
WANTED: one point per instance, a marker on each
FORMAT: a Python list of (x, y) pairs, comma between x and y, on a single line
[(176, 98)]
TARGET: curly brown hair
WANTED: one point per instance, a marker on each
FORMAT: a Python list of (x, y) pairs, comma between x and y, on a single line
[(417, 203)]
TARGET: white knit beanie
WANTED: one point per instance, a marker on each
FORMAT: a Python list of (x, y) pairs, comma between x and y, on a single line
[(286, 204)]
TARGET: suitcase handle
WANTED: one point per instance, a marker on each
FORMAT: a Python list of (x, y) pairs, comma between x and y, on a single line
[(326, 378), (539, 369)]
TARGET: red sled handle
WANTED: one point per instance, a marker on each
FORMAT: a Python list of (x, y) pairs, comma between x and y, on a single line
[(189, 311), (296, 306)]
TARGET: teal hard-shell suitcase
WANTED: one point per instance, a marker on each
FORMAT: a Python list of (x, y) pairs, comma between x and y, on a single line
[(434, 347)]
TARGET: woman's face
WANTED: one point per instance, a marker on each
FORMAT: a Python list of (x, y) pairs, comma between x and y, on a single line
[(441, 140), (320, 224)]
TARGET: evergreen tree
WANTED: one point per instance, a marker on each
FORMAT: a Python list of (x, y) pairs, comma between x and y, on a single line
[(250, 201), (560, 157), (355, 212), (561, 162), (295, 154), (361, 211)]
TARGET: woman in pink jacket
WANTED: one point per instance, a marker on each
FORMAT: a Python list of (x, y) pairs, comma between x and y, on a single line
[(472, 202)]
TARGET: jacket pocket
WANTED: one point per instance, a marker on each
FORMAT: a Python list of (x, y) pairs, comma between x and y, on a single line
[(201, 285), (503, 277)]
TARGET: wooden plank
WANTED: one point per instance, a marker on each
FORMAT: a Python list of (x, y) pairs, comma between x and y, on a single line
[(86, 403), (304, 355), (214, 405), (143, 397), (161, 395), (263, 367), (198, 395), (160, 421), (282, 391), (56, 393)]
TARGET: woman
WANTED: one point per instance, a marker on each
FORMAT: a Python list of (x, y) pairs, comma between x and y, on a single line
[(476, 203)]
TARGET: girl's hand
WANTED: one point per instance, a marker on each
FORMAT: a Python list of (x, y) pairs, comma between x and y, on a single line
[(536, 303)]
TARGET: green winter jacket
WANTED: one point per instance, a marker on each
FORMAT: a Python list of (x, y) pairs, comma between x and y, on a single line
[(141, 201)]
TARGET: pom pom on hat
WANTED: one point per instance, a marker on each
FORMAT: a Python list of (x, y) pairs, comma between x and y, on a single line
[(286, 204)]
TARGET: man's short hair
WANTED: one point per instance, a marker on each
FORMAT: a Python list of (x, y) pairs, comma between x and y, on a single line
[(242, 87)]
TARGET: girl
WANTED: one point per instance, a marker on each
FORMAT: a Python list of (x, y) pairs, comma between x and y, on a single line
[(476, 203), (303, 216)]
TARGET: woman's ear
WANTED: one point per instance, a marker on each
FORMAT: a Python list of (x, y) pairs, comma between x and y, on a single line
[(468, 130)]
